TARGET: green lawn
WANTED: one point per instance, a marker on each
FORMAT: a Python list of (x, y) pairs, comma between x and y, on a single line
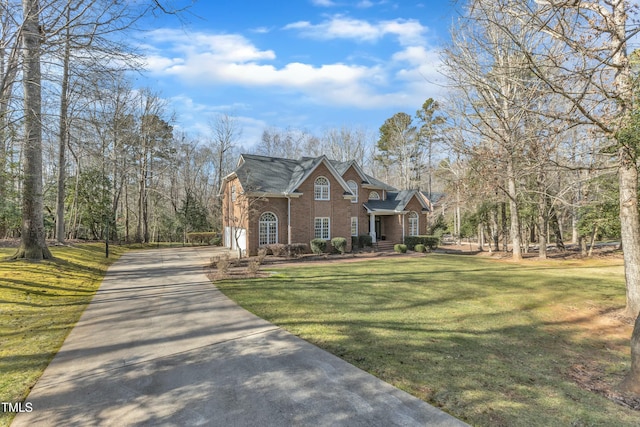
[(40, 302), (491, 342)]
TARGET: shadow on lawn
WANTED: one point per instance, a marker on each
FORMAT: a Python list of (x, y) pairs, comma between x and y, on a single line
[(489, 350), (503, 376)]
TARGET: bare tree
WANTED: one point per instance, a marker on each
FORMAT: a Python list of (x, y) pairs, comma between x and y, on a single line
[(226, 131), (32, 245), (581, 57), (344, 144), (489, 70)]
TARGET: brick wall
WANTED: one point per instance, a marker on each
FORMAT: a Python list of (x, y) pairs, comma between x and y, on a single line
[(305, 209)]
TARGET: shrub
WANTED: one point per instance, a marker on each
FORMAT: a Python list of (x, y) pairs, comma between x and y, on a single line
[(280, 249), (262, 254), (277, 249), (419, 248), (365, 240), (340, 244), (400, 248), (223, 263), (297, 249), (318, 246), (354, 242), (205, 238), (431, 242), (254, 266)]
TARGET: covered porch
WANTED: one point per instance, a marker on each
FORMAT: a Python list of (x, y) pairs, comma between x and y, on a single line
[(387, 226)]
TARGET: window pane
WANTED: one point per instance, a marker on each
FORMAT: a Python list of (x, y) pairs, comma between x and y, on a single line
[(321, 188), (267, 229)]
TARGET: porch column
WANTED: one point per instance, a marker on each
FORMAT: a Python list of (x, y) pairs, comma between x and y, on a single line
[(372, 227)]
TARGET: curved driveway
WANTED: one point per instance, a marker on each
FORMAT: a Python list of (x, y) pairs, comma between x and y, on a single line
[(160, 345)]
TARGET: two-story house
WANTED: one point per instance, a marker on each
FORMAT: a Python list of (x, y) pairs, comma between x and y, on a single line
[(274, 200)]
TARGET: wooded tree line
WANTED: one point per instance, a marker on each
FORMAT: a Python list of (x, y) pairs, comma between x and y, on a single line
[(544, 114), (74, 135)]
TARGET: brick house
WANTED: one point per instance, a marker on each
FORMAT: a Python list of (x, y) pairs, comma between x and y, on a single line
[(274, 200)]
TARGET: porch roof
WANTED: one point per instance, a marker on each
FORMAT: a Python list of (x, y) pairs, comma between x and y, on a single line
[(395, 203)]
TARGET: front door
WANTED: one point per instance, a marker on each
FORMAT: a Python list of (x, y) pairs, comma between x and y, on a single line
[(378, 228)]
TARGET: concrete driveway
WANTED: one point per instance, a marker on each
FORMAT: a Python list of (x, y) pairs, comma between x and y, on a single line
[(160, 345)]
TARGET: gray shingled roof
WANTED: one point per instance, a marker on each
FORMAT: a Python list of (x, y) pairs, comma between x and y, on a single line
[(266, 174), (279, 176), (396, 201)]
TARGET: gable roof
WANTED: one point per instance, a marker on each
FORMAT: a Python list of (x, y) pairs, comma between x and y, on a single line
[(279, 176), (396, 202)]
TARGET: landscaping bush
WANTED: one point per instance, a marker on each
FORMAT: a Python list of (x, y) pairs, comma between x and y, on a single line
[(318, 246), (223, 263), (205, 238), (253, 267), (365, 240), (354, 242), (262, 254), (419, 248), (340, 244), (400, 248), (297, 249), (277, 249), (431, 242)]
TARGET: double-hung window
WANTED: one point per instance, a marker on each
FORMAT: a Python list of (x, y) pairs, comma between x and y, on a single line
[(413, 224), (354, 225), (321, 188), (321, 228), (353, 186)]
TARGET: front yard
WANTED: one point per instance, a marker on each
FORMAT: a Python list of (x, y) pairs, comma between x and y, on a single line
[(40, 302), (491, 342)]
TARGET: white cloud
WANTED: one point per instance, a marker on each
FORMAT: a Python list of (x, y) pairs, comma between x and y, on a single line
[(223, 47), (323, 3), (202, 59), (408, 31), (365, 4)]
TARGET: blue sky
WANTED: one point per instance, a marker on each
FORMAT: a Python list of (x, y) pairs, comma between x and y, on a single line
[(301, 64)]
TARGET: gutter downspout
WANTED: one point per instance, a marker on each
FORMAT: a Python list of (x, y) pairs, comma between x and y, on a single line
[(288, 218)]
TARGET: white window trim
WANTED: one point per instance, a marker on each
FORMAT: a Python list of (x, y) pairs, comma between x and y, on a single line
[(354, 224), (322, 228), (260, 222), (322, 188), (414, 217), (374, 198), (353, 189)]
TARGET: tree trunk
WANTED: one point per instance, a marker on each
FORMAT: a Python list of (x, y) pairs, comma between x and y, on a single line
[(505, 229), (630, 230), (515, 219), (33, 244), (592, 243), (543, 221), (62, 136), (631, 383), (8, 70)]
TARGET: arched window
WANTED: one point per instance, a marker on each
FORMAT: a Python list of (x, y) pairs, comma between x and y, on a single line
[(414, 228), (374, 195), (321, 188), (268, 229), (354, 189)]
